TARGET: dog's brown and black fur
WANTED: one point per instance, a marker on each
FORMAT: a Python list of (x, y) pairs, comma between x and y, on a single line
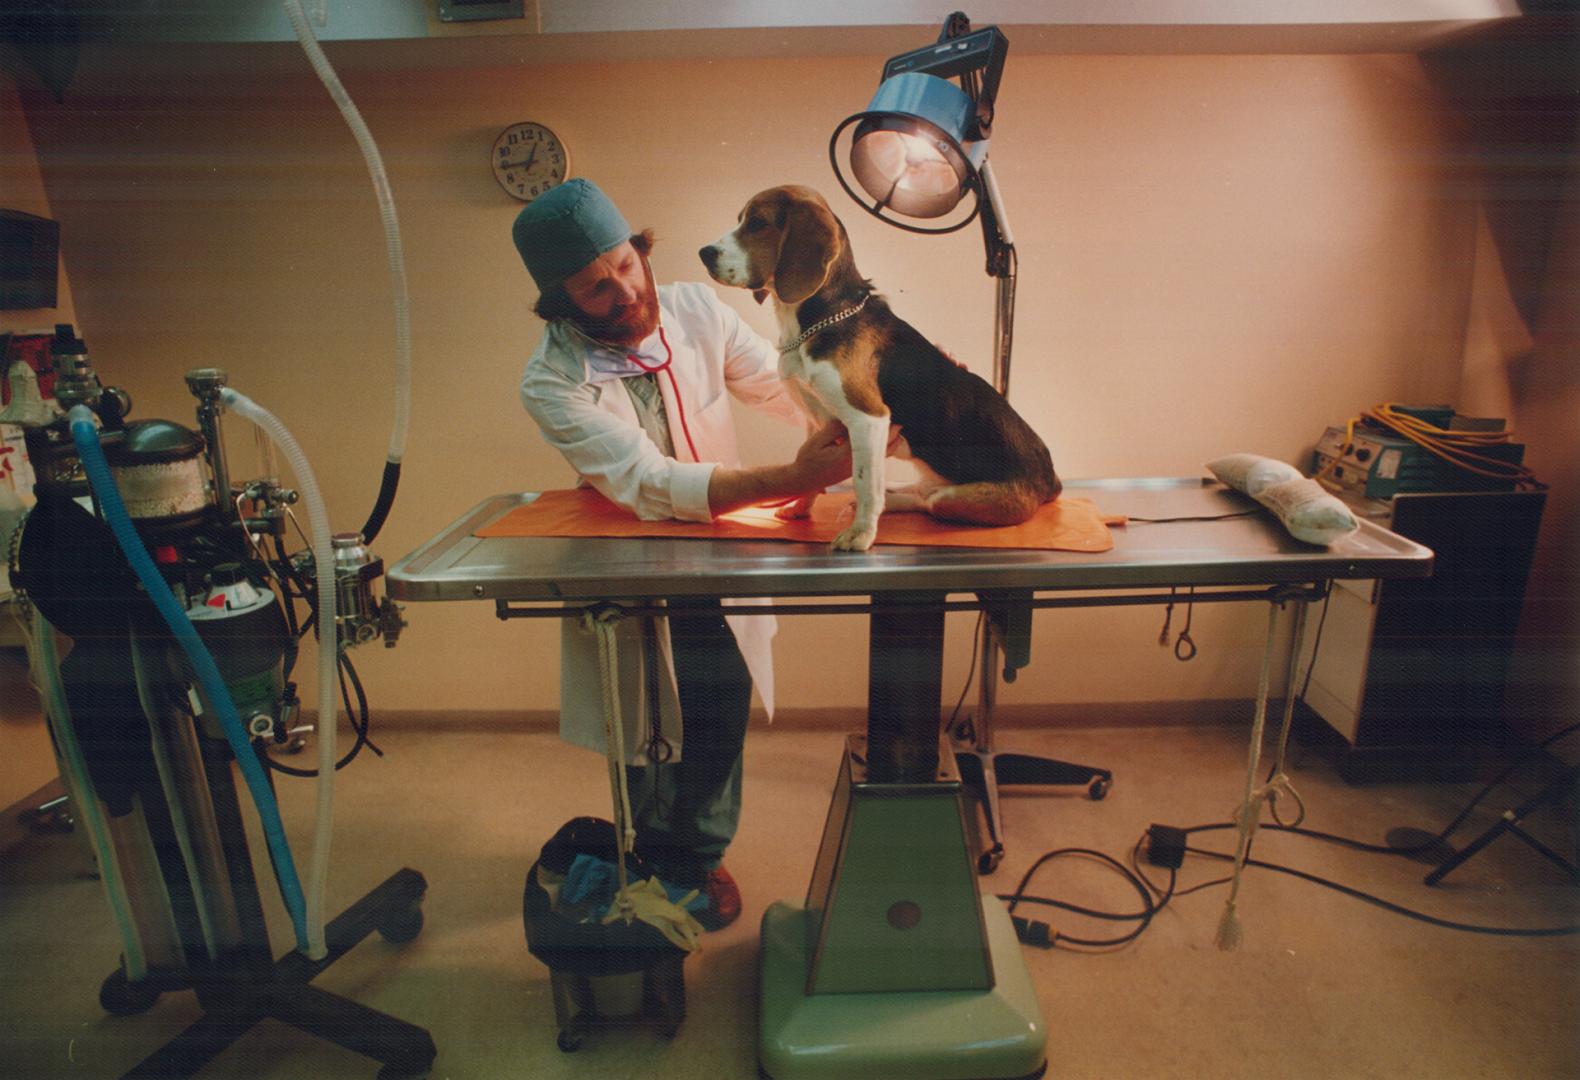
[(979, 461)]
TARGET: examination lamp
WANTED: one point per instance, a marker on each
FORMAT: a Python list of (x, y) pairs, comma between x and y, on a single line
[(921, 146)]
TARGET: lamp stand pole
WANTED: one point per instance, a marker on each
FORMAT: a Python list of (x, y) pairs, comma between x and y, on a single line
[(980, 765), (1000, 245)]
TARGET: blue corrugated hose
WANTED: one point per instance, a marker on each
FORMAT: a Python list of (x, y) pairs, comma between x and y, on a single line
[(85, 434)]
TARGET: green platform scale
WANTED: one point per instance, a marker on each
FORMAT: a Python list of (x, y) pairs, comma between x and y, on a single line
[(897, 967)]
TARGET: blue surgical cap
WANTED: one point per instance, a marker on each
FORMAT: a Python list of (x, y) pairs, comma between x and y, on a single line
[(563, 230)]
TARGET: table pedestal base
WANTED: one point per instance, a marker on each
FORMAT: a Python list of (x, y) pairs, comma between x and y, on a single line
[(994, 1034), (897, 967)]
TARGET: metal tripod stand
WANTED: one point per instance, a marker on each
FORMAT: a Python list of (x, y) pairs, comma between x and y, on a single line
[(1511, 822)]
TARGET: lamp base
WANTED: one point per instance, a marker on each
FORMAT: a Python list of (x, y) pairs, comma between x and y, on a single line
[(994, 1034)]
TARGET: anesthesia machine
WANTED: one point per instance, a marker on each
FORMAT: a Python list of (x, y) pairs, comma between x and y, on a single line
[(178, 586), (179, 591)]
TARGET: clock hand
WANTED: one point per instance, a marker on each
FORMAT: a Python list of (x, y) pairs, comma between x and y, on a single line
[(527, 164)]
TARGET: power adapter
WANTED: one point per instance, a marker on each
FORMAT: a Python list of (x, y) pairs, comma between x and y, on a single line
[(1033, 932), (1166, 846)]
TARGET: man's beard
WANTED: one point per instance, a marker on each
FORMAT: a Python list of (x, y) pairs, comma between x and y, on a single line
[(629, 324)]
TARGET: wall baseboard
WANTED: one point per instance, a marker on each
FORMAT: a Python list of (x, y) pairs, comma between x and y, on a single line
[(1103, 714)]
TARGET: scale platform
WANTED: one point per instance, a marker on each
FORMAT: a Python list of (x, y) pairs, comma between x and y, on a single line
[(897, 967), (913, 1035)]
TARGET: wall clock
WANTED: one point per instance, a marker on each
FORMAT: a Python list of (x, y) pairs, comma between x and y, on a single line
[(529, 159)]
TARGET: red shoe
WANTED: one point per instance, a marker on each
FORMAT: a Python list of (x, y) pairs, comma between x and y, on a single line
[(724, 900)]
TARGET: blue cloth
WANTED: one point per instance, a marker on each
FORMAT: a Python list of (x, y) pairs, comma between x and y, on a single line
[(564, 229), (592, 882)]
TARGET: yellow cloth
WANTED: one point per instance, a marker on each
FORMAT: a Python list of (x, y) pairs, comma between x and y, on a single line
[(1066, 524), (649, 902)]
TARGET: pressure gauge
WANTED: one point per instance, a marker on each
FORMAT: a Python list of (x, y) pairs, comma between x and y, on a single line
[(528, 159)]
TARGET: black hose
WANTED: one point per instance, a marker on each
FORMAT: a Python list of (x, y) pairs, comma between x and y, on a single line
[(386, 499)]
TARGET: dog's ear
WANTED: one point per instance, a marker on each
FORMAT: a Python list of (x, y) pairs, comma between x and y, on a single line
[(808, 247)]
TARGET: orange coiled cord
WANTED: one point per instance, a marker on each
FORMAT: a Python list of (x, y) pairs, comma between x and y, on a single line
[(1458, 448)]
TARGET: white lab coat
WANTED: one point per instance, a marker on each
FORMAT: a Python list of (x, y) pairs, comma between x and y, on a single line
[(595, 426)]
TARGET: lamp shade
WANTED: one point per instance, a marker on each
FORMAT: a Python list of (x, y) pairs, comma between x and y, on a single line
[(907, 152)]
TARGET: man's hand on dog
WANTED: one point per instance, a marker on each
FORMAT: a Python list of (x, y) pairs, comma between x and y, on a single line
[(824, 460)]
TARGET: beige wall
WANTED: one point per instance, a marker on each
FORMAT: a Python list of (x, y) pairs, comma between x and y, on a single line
[(1217, 254), (22, 188), (1544, 379), (26, 760)]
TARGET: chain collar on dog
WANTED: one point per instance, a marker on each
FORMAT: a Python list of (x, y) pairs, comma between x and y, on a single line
[(824, 324)]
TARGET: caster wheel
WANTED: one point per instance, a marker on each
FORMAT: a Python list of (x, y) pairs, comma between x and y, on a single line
[(403, 927), (1098, 788), (118, 997), (988, 861), (568, 1043)]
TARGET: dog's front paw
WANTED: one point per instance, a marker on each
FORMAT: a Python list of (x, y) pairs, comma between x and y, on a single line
[(797, 509), (856, 536)]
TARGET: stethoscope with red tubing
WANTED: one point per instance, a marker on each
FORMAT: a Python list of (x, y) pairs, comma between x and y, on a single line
[(668, 368)]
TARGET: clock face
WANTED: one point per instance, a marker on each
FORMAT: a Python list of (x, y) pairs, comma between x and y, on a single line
[(529, 159)]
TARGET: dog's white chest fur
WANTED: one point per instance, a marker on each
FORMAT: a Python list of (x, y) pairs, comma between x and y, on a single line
[(823, 393), (819, 380)]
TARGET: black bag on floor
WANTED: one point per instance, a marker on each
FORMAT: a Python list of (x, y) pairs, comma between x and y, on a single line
[(588, 948)]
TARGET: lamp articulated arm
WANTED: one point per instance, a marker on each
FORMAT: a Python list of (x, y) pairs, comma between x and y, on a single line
[(1000, 245)]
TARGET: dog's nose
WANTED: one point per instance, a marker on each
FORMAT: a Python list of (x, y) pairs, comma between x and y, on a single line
[(709, 255)]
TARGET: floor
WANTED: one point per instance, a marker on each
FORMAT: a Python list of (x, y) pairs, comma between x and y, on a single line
[(1322, 985)]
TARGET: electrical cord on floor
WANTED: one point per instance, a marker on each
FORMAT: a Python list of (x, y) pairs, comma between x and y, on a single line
[(1436, 842), (1169, 847), (1387, 905), (1038, 932)]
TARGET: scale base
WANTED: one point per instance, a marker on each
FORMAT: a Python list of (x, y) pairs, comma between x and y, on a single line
[(995, 1034)]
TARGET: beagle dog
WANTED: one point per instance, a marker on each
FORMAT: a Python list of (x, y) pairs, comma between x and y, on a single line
[(853, 359)]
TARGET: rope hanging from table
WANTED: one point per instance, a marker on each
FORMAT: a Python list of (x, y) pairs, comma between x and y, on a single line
[(602, 622), (1277, 785)]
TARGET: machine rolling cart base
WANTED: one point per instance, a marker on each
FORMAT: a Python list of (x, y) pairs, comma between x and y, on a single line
[(234, 1000)]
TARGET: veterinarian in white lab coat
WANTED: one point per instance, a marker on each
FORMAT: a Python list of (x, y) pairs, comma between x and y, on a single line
[(631, 383)]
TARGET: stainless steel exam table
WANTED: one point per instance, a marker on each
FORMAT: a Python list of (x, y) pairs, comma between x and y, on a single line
[(889, 952)]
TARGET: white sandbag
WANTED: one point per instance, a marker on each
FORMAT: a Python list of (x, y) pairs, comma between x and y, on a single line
[(1308, 511), (1252, 473), (1303, 506)]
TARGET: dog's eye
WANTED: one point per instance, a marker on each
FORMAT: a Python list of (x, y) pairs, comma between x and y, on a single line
[(752, 224)]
